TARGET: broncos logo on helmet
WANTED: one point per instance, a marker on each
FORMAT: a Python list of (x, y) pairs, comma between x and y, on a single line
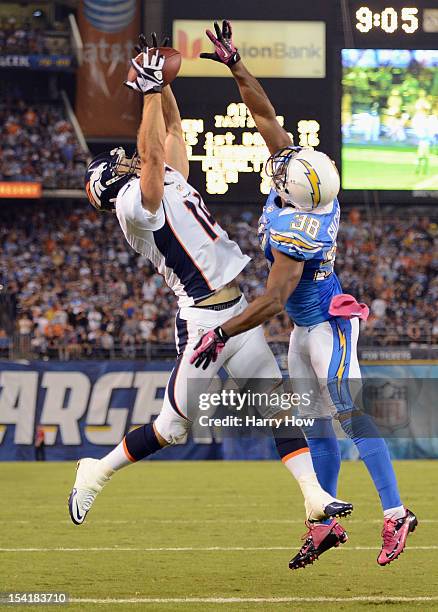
[(106, 175)]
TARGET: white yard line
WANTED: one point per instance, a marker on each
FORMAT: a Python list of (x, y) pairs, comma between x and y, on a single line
[(348, 521), (188, 549), (257, 600)]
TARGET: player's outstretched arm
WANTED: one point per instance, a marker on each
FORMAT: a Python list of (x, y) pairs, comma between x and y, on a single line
[(260, 107), (152, 133), (150, 146), (174, 147), (283, 279), (284, 276), (252, 93), (175, 152)]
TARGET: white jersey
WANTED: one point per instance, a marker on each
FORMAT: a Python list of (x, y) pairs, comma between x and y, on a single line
[(182, 240)]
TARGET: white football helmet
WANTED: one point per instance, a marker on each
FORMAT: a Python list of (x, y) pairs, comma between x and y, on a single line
[(304, 178)]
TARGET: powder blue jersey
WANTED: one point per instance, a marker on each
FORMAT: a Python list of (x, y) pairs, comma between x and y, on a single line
[(307, 237)]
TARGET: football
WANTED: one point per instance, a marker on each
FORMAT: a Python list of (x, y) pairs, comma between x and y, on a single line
[(171, 65)]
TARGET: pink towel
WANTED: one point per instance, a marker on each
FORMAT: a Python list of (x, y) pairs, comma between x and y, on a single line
[(347, 307)]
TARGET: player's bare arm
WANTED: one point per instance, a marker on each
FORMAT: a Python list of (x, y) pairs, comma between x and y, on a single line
[(284, 276), (151, 135), (175, 152), (252, 93), (260, 108), (283, 279), (150, 146)]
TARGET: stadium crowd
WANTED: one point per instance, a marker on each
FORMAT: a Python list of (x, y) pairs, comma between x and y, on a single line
[(80, 291), (21, 38), (392, 265), (39, 144), (33, 35)]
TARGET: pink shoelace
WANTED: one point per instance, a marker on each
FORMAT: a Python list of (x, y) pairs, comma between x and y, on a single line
[(388, 531)]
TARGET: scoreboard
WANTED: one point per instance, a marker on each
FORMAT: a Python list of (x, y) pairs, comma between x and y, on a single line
[(297, 50), (387, 96), (408, 22)]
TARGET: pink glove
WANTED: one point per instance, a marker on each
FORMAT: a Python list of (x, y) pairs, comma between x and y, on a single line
[(224, 50), (346, 306), (209, 347)]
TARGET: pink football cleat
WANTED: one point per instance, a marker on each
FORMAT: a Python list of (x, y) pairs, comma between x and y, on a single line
[(395, 533), (318, 539)]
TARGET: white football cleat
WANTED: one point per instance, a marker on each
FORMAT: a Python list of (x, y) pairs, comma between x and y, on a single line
[(320, 505), (91, 476)]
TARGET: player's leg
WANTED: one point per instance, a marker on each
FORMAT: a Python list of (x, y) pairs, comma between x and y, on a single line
[(252, 360), (343, 369), (325, 534), (93, 474), (170, 427), (321, 436), (147, 439), (342, 374)]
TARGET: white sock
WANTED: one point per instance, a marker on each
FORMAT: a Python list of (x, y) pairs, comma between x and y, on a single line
[(395, 513), (299, 464), (301, 467), (118, 457)]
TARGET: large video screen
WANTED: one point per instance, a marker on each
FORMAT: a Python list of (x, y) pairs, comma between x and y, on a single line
[(390, 119)]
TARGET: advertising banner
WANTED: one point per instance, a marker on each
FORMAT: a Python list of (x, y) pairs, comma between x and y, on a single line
[(20, 189), (37, 62), (86, 407), (109, 30), (272, 49)]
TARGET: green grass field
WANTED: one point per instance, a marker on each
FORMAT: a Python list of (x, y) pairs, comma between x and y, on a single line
[(386, 168), (198, 531)]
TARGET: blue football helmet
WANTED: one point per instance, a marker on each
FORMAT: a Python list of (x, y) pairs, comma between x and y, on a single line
[(106, 175)]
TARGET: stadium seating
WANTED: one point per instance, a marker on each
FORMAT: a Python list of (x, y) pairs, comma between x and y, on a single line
[(81, 292), (38, 144), (23, 37)]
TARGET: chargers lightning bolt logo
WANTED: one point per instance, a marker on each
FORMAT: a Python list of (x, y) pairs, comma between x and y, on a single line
[(314, 182), (342, 364)]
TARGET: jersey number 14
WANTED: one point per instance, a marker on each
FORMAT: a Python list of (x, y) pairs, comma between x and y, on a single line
[(202, 215)]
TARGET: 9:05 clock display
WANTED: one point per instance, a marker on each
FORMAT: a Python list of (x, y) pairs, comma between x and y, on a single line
[(389, 20)]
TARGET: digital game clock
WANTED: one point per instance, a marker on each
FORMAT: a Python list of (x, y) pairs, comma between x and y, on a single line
[(398, 20)]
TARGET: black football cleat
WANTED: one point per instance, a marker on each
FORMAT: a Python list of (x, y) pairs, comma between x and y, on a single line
[(338, 508), (318, 539)]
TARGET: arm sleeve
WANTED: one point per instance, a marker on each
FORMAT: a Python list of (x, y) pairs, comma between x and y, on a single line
[(294, 243), (131, 212)]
